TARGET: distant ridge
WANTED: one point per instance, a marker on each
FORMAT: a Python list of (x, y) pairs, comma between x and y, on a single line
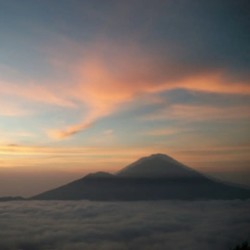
[(11, 198), (156, 177)]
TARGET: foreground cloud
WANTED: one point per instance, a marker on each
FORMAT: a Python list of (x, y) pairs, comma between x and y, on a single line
[(138, 225)]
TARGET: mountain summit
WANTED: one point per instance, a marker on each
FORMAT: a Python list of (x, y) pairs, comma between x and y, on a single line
[(157, 166), (156, 177)]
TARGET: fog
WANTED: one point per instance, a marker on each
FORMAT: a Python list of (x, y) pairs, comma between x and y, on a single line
[(78, 225)]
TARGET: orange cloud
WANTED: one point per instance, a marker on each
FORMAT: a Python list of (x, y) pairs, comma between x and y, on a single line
[(107, 76), (110, 76), (70, 158), (60, 134), (215, 83), (110, 158)]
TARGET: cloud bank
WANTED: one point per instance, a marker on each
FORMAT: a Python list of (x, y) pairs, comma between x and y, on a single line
[(87, 225)]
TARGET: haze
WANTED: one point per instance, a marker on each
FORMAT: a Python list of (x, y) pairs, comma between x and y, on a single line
[(95, 85)]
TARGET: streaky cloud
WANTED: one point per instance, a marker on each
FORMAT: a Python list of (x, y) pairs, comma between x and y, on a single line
[(61, 134), (111, 75)]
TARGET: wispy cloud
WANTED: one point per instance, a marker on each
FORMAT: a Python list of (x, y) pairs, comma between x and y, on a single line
[(60, 134), (215, 82), (111, 76), (98, 155), (164, 131), (11, 109), (199, 113), (36, 92), (106, 76)]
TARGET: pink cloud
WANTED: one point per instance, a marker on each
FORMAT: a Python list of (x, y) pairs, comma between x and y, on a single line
[(110, 77), (106, 76)]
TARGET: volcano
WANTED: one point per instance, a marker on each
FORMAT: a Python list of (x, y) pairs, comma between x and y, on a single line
[(156, 177)]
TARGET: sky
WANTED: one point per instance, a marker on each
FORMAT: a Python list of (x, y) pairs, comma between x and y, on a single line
[(94, 85)]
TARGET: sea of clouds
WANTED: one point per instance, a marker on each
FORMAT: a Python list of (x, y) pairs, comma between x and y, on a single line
[(85, 225)]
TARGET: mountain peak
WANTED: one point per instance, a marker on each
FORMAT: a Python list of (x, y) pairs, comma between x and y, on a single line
[(157, 165), (160, 156), (99, 174)]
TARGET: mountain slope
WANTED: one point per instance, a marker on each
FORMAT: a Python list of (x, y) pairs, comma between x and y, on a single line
[(156, 177)]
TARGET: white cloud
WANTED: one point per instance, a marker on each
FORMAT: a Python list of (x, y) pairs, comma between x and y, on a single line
[(122, 225)]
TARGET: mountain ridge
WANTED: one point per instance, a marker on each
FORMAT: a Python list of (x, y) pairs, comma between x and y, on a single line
[(156, 177)]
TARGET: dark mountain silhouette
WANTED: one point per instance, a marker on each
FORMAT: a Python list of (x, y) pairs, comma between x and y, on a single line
[(11, 198), (157, 166), (157, 177)]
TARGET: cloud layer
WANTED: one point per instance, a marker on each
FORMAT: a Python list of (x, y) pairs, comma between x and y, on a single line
[(87, 225)]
